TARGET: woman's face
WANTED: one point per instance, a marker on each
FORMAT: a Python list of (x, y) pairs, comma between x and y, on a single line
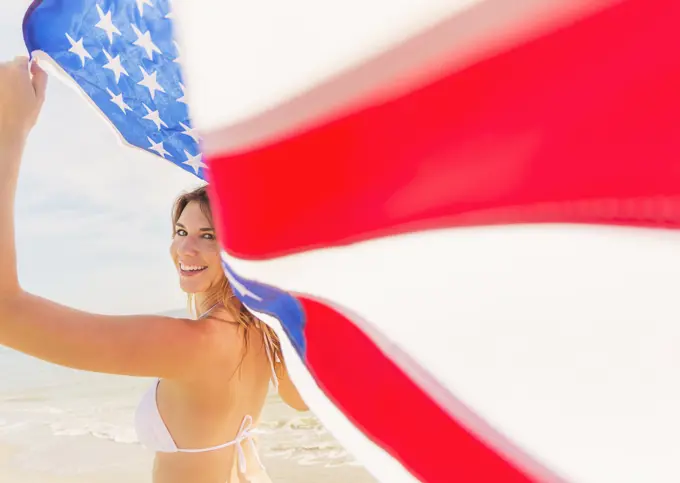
[(195, 251)]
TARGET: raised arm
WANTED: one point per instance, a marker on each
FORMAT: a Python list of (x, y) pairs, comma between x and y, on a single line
[(132, 345), (21, 98), (136, 345)]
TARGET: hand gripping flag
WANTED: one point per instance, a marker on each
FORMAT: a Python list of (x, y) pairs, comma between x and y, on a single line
[(436, 213)]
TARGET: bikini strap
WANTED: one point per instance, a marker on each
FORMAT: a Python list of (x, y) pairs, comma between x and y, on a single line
[(207, 312), (244, 435)]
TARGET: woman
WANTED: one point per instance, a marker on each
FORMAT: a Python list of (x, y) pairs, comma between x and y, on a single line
[(213, 373)]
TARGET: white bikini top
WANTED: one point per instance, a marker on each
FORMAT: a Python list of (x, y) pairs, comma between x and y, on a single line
[(154, 434)]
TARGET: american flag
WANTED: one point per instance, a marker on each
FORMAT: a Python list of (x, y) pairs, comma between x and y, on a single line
[(124, 57), (343, 168)]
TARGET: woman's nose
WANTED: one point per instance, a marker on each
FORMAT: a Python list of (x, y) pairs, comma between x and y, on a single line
[(187, 246)]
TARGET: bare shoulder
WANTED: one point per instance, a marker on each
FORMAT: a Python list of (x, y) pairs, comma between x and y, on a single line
[(221, 320), (226, 334)]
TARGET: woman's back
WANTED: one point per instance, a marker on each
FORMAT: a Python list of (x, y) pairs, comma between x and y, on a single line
[(205, 421)]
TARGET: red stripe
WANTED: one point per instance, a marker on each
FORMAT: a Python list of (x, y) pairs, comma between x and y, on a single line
[(391, 410), (578, 126)]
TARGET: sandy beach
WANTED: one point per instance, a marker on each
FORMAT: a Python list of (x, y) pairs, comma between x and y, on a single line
[(58, 425), (281, 470)]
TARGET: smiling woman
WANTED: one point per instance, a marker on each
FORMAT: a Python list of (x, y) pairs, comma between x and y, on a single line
[(194, 248), (196, 255), (213, 373)]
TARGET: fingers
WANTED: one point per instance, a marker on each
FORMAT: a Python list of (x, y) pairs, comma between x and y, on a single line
[(20, 60), (39, 81), (17, 67)]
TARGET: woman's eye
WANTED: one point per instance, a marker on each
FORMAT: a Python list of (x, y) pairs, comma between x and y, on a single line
[(181, 232), (209, 236)]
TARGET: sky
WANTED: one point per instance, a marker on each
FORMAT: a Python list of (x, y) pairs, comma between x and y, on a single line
[(93, 215)]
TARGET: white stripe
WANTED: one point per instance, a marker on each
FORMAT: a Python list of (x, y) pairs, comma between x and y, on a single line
[(563, 337), (377, 462), (270, 51)]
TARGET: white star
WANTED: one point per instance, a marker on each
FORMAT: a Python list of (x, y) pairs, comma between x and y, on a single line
[(140, 5), (189, 131), (114, 65), (194, 161), (181, 99), (154, 117), (144, 41), (158, 147), (78, 49), (170, 11), (178, 53), (150, 82), (106, 24), (118, 100), (238, 286)]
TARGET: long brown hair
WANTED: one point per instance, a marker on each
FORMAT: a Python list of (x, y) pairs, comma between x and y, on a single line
[(222, 293)]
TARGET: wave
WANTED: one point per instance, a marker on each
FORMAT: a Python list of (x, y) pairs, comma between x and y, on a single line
[(101, 430)]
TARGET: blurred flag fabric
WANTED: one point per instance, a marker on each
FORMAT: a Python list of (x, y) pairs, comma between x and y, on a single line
[(445, 208)]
